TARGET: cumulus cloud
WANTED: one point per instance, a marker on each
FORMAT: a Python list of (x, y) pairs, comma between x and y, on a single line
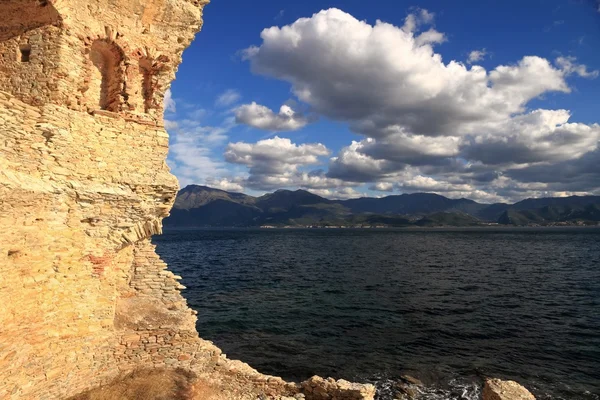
[(539, 136), (276, 152), (411, 149), (228, 98), (352, 164), (578, 175), (380, 77), (276, 163), (437, 125), (261, 117), (476, 55)]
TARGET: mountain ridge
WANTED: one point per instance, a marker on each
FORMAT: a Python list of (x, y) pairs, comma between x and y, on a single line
[(203, 206)]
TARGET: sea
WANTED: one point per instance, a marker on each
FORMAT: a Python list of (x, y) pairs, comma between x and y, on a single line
[(447, 306)]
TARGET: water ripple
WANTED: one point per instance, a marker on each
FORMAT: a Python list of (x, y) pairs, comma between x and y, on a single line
[(447, 306)]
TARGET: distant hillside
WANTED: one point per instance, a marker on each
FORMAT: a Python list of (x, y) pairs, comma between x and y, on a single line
[(448, 219), (195, 196), (202, 206), (411, 204), (553, 215), (572, 201), (283, 200), (219, 212)]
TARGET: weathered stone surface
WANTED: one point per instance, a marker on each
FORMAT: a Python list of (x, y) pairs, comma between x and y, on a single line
[(83, 186), (496, 389), (317, 388)]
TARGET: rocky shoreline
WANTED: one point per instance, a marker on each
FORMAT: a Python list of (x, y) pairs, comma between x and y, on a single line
[(237, 381)]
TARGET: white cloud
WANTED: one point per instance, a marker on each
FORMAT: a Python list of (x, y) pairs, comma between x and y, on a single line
[(261, 117), (411, 149), (424, 119), (382, 187), (277, 162), (276, 154), (169, 102), (227, 184), (570, 66), (420, 183), (377, 77), (192, 145), (228, 98), (476, 55), (339, 194), (430, 37), (353, 165), (415, 19), (193, 162), (538, 136)]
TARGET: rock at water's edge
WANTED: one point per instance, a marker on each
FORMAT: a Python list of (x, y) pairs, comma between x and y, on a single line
[(496, 389), (317, 388)]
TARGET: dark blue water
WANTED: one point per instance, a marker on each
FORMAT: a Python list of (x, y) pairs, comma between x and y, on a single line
[(447, 306)]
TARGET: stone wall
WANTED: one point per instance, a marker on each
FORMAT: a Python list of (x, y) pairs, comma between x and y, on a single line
[(116, 55), (83, 186), (76, 211)]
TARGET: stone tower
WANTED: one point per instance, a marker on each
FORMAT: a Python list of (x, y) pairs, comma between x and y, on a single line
[(83, 185)]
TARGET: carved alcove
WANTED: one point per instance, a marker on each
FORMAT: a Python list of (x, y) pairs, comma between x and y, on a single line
[(151, 68), (105, 87)]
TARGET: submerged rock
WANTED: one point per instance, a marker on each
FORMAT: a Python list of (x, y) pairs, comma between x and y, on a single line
[(496, 389), (407, 391), (412, 380)]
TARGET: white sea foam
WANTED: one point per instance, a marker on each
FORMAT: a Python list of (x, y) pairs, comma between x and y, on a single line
[(453, 390)]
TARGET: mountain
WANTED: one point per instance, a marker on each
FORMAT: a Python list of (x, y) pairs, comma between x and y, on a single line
[(553, 214), (412, 204), (283, 200), (198, 206), (572, 201), (195, 196), (492, 212), (220, 212), (448, 219)]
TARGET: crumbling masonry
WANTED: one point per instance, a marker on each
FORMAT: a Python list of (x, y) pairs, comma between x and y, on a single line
[(83, 186)]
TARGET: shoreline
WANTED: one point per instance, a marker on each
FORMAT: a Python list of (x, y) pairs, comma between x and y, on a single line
[(389, 228)]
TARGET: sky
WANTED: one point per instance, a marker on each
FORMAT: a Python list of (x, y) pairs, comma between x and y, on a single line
[(493, 101)]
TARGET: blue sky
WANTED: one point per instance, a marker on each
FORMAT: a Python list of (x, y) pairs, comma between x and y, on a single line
[(495, 101)]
